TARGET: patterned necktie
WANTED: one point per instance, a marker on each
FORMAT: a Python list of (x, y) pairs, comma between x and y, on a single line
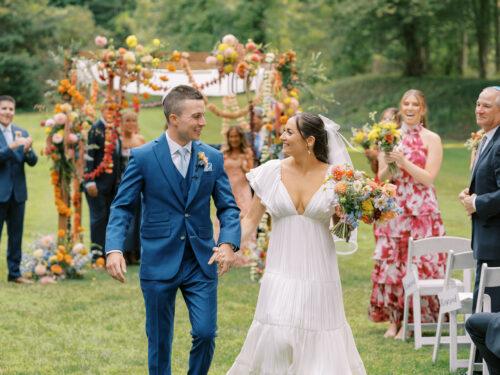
[(183, 162)]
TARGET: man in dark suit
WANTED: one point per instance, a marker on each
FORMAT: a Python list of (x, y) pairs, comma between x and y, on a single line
[(101, 190), (15, 150), (482, 199), (484, 330)]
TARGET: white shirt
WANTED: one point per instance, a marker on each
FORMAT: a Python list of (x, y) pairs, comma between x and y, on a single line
[(174, 147), (7, 133)]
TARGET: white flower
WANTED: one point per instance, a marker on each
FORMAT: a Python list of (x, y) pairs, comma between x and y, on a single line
[(357, 186), (38, 253)]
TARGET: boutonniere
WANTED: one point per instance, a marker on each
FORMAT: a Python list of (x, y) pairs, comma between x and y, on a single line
[(202, 159), (475, 139)]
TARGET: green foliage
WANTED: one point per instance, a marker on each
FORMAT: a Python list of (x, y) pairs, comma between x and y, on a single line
[(451, 101)]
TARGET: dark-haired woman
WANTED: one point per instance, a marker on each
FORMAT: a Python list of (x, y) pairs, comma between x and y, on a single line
[(419, 158), (299, 325)]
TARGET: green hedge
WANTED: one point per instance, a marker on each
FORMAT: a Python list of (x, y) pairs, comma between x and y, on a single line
[(451, 101)]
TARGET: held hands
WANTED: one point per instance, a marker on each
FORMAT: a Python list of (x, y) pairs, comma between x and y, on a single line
[(92, 190), (22, 141), (116, 266), (467, 201), (225, 258)]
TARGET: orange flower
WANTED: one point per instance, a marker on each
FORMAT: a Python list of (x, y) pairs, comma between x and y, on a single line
[(349, 173), (100, 262), (60, 257), (68, 259), (171, 67), (164, 78), (283, 120), (176, 56), (56, 268), (338, 172), (366, 219), (61, 248), (341, 187), (145, 95), (61, 233)]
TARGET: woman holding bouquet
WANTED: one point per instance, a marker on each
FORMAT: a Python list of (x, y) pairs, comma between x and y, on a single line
[(418, 159)]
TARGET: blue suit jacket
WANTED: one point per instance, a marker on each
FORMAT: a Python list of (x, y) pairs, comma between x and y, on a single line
[(12, 177), (168, 221), (486, 184)]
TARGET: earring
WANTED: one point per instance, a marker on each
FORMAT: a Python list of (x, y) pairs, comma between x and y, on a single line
[(308, 150)]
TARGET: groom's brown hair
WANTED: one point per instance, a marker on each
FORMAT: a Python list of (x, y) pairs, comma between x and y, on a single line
[(172, 103)]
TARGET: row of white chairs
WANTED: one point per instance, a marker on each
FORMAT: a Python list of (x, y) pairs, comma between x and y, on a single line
[(455, 297)]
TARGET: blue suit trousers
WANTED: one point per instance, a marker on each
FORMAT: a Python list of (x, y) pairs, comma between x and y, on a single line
[(12, 212), (200, 295)]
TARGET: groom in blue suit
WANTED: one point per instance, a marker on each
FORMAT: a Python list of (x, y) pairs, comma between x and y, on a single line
[(176, 175)]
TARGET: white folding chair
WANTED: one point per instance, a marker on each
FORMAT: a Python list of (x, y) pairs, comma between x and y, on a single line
[(490, 278), (460, 302), (416, 288)]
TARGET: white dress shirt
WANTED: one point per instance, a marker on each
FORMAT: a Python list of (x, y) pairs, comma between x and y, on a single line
[(174, 148), (7, 134)]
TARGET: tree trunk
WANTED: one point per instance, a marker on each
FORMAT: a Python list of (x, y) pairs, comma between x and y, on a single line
[(415, 50), (482, 22)]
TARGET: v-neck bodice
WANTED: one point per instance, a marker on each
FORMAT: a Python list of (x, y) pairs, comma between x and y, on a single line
[(267, 183)]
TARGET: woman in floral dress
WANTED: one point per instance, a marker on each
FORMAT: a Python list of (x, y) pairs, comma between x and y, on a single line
[(419, 158)]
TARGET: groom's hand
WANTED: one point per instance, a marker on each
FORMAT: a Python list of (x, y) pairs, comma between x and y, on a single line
[(116, 266), (224, 255)]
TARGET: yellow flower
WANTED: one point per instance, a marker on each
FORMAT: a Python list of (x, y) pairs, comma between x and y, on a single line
[(131, 41), (155, 62), (374, 134), (47, 130), (222, 47), (156, 42), (359, 137), (367, 206)]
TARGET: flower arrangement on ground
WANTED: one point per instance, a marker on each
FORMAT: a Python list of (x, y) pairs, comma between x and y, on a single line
[(49, 261)]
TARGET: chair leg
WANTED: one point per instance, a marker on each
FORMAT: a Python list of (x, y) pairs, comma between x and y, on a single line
[(437, 342), (472, 356), (417, 320), (453, 341), (405, 316)]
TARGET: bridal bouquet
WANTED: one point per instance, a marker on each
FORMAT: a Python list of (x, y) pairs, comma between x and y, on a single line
[(360, 198)]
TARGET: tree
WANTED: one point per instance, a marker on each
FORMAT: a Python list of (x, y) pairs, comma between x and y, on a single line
[(481, 11)]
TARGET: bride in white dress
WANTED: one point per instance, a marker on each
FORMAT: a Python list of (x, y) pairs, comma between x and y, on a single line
[(299, 325)]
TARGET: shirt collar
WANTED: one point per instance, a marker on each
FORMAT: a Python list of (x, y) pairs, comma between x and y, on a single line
[(6, 129), (489, 134), (174, 146)]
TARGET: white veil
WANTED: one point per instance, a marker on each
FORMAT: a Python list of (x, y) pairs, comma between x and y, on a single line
[(337, 154)]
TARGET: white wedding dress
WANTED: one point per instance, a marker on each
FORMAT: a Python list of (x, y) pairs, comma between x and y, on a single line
[(299, 325)]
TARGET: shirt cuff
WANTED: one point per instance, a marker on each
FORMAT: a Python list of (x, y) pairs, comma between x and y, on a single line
[(230, 244), (474, 196), (114, 251), (91, 183)]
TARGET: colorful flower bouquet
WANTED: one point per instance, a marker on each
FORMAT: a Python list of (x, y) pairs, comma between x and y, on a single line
[(386, 136), (360, 137), (50, 261), (360, 198)]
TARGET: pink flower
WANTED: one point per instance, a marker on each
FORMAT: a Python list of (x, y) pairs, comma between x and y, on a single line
[(230, 39), (40, 269), (211, 60), (57, 138), (50, 123), (47, 241), (47, 280), (60, 118), (72, 138), (101, 41)]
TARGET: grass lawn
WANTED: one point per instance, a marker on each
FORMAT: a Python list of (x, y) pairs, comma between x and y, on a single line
[(96, 325)]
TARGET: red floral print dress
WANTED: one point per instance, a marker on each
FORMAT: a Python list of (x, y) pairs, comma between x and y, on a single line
[(420, 219)]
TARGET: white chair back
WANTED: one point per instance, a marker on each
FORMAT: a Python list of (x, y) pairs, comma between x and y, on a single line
[(434, 245), (461, 261), (490, 278)]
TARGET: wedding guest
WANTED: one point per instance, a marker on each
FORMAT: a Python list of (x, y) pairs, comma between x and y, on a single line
[(418, 158), (15, 151), (481, 199), (238, 160), (256, 138), (101, 189), (388, 115), (484, 330), (131, 138)]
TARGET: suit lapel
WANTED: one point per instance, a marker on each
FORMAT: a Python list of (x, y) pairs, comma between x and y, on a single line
[(162, 153), (197, 173), (484, 153), (3, 141)]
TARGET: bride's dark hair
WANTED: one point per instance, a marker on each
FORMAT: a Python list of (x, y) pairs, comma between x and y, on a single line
[(310, 125)]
